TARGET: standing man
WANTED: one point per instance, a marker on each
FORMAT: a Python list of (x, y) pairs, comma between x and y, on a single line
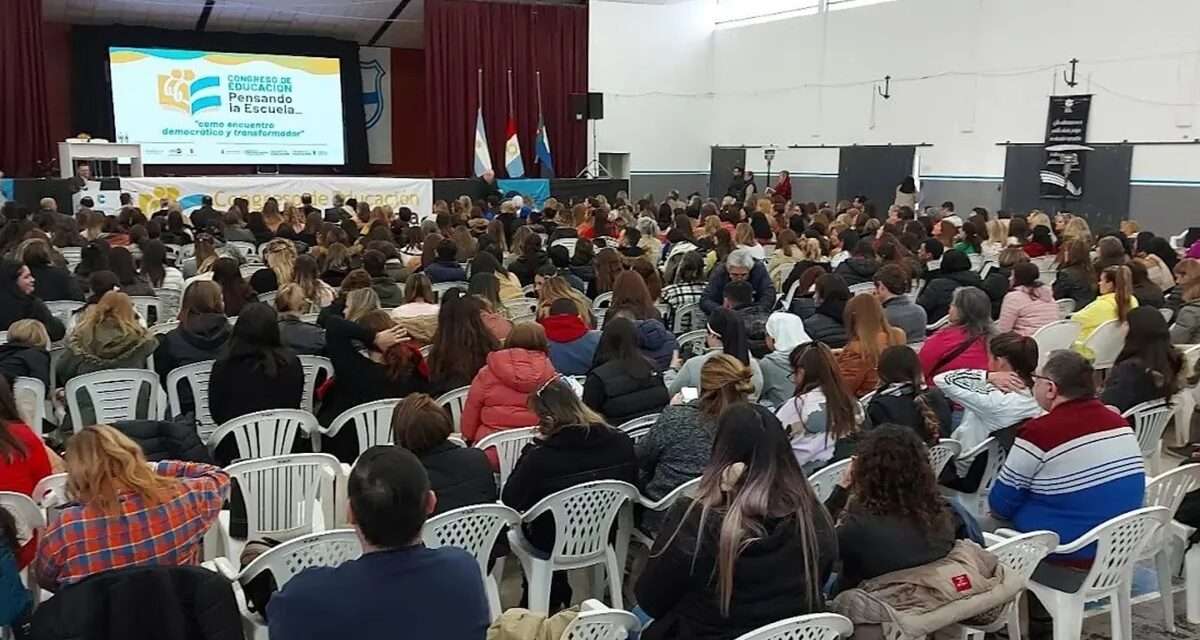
[(307, 205), (486, 188)]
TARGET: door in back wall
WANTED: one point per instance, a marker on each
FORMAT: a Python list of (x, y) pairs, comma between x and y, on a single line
[(1105, 201), (874, 172), (721, 165)]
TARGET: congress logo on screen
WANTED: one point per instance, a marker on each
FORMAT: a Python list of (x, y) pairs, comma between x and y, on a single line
[(178, 92)]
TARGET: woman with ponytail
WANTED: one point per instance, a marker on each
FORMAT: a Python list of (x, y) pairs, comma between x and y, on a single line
[(1114, 303), (753, 546), (902, 397)]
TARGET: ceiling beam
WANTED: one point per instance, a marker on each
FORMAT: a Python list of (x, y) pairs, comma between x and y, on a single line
[(204, 14), (391, 19)]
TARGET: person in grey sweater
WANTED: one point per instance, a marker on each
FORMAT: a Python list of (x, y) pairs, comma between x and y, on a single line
[(785, 332), (679, 444), (892, 284)]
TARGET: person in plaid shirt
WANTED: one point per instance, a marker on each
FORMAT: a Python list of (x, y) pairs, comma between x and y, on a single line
[(125, 512), (688, 286)]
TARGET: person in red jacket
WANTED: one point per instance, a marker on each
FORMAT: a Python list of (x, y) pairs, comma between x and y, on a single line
[(499, 394), (23, 458), (783, 187)]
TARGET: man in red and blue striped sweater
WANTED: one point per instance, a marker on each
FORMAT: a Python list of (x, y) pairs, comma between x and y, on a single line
[(1073, 468)]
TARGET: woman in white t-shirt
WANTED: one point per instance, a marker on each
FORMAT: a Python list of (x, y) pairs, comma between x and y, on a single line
[(743, 237), (821, 412)]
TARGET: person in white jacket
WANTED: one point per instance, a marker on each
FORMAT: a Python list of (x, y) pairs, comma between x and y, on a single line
[(995, 399)]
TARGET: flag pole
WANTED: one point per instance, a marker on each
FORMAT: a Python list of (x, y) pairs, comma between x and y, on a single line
[(539, 92), (510, 99), (480, 87)]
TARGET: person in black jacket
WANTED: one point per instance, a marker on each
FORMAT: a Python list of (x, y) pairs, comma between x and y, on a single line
[(446, 268), (827, 323), (26, 354), (50, 282), (1147, 293), (202, 332), (956, 272), (459, 476), (1148, 368), (999, 279), (166, 440), (394, 368), (701, 584), (1076, 278), (254, 373), (623, 383), (532, 258), (861, 266), (17, 301), (902, 397), (574, 446)]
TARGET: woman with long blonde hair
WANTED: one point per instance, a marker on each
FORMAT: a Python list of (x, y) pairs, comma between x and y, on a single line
[(743, 238), (753, 531), (557, 288), (306, 274), (869, 333), (280, 256), (124, 512)]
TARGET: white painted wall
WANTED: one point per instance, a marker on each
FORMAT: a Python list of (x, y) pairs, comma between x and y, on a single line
[(966, 75)]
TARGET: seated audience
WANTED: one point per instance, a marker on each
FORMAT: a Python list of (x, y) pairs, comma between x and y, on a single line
[(860, 267), (572, 344), (125, 513), (623, 383), (962, 344), (26, 354), (254, 372), (1114, 303), (785, 332), (315, 290), (461, 345), (419, 313), (820, 415), (739, 266), (870, 333), (485, 288), (155, 269), (679, 444), (280, 256), (202, 332), (554, 288), (304, 338), (752, 547), (930, 254), (532, 258), (500, 392), (446, 268), (390, 294), (1075, 278), (1148, 367), (1186, 326), (955, 273), (510, 285), (903, 399), (884, 525), (1148, 293), (18, 302), (235, 291), (687, 287), (631, 294), (892, 285), (739, 298), (459, 476), (575, 446), (998, 282), (120, 262), (50, 282), (1029, 306), (561, 260), (726, 334), (24, 460), (827, 322), (437, 592)]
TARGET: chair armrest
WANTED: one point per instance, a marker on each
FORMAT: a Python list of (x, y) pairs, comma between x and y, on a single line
[(1004, 533), (224, 567), (991, 538), (592, 604)]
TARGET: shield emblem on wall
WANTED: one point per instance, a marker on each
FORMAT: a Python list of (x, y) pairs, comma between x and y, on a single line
[(372, 73)]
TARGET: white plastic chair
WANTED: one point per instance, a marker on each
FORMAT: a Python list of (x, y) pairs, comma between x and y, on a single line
[(264, 434), (1168, 490), (1020, 554), (474, 528), (286, 497), (268, 298), (372, 423), (115, 395), (1185, 400), (1120, 542), (521, 307), (1066, 307), (826, 479), (941, 322), (284, 562), (247, 249), (569, 243), (313, 367), (454, 401), (863, 287), (1106, 343), (73, 255), (943, 453), (637, 428), (171, 299), (662, 504), (815, 626), (508, 445), (598, 622), (31, 521), (602, 301), (426, 350), (1149, 420), (145, 305), (583, 517), (977, 503), (695, 342), (51, 491), (688, 317), (62, 309), (1055, 336), (196, 376), (30, 396), (163, 328), (443, 287), (248, 270)]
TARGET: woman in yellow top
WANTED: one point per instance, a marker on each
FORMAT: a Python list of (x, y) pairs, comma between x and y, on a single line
[(1114, 303)]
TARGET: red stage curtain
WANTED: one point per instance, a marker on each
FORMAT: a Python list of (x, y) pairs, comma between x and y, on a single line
[(24, 117), (461, 37)]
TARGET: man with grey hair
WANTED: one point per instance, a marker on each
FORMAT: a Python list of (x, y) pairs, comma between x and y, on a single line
[(337, 212), (739, 266)]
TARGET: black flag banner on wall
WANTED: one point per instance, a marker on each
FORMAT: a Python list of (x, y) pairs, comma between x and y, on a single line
[(1066, 131)]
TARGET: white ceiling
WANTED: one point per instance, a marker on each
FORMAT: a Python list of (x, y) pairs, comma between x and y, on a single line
[(356, 20)]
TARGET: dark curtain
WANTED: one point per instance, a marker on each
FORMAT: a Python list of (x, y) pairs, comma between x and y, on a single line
[(24, 116), (90, 73), (462, 37)]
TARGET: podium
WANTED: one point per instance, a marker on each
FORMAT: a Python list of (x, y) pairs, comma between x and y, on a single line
[(72, 151)]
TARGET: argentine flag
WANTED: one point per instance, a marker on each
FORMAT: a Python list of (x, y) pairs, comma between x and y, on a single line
[(483, 157), (541, 149), (512, 151)]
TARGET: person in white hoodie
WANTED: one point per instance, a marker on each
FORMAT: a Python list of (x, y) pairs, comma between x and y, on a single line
[(992, 401), (785, 332)]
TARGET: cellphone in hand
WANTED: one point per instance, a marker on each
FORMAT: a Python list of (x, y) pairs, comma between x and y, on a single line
[(689, 393)]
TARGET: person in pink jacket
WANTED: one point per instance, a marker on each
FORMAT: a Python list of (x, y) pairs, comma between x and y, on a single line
[(1029, 306), (962, 344), (499, 394)]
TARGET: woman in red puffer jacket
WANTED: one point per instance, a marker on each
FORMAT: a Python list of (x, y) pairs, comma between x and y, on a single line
[(498, 398)]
